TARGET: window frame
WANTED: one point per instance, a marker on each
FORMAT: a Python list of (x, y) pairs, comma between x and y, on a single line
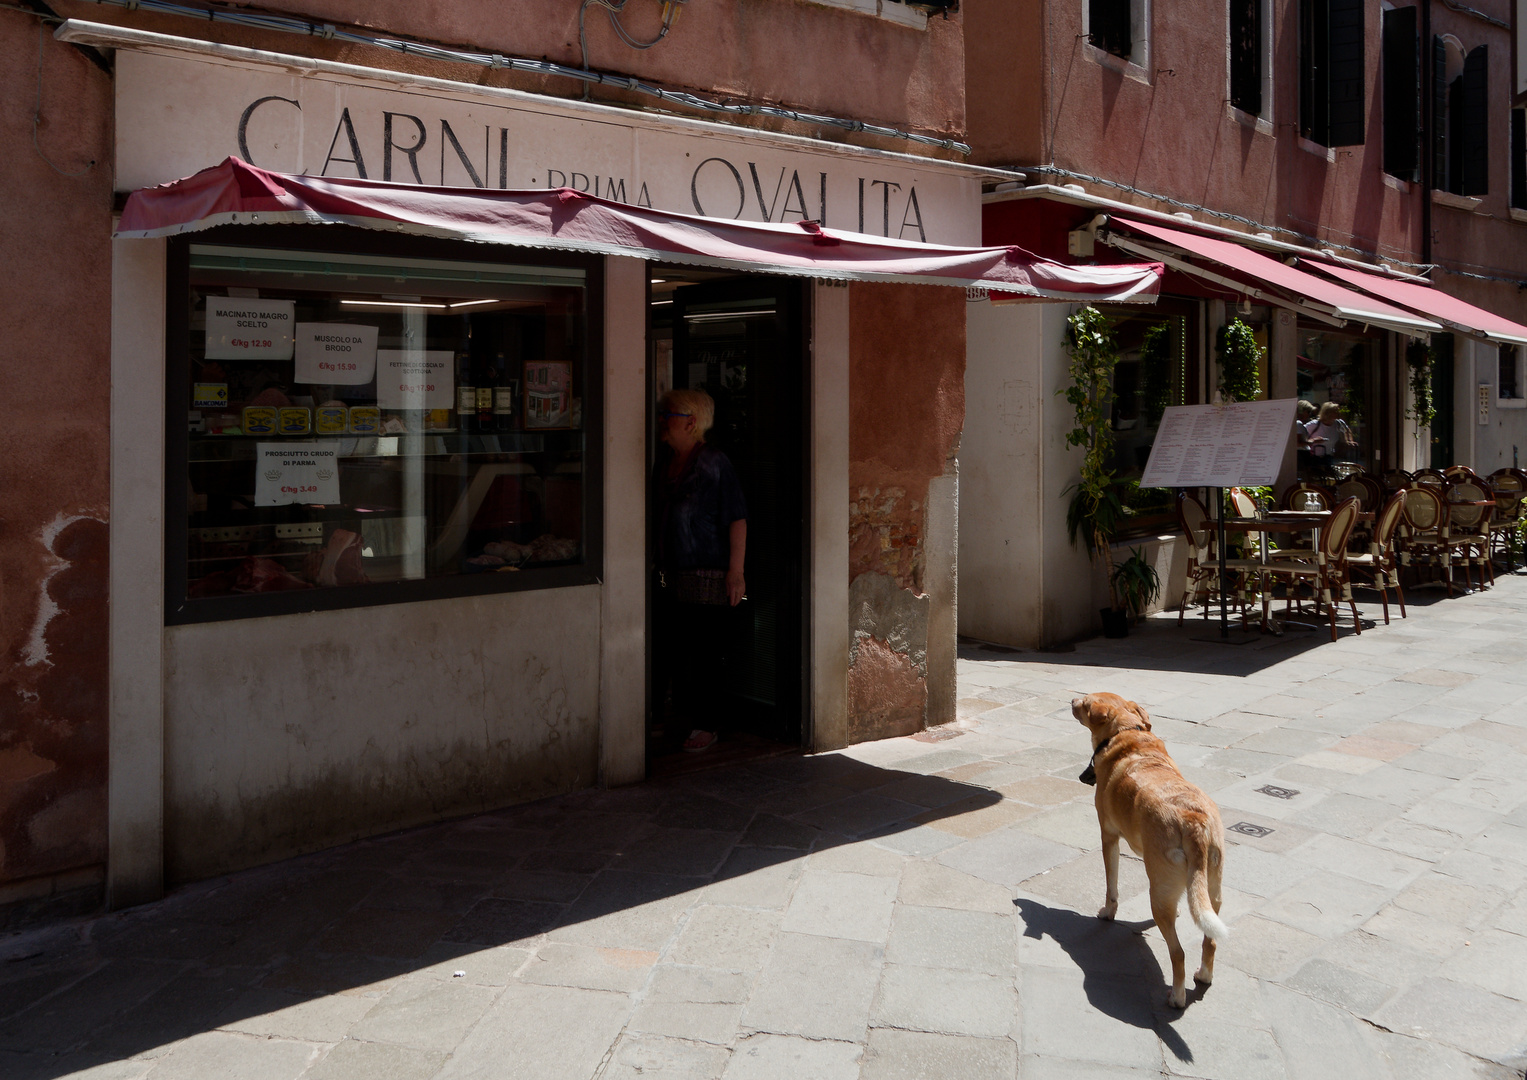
[(1401, 94), (1264, 58), (341, 239), (1519, 399), (1138, 61)]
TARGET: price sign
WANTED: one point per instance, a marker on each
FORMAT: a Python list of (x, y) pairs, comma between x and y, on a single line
[(242, 329), (335, 354), (415, 379), (288, 472)]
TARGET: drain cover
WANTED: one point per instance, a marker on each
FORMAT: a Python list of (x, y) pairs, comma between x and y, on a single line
[(1277, 792), (1246, 828)]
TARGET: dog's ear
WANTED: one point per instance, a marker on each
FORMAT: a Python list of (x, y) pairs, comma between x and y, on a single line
[(1145, 717)]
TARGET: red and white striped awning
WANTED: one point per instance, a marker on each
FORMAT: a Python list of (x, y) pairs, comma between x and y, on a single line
[(237, 193)]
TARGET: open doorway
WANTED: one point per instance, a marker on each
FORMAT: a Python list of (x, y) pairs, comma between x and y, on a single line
[(740, 339)]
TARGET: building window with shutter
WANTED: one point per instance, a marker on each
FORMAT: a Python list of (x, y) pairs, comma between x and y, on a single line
[(1508, 385), (1331, 72), (1246, 60), (1402, 93), (1460, 119), (1119, 28), (1519, 159)]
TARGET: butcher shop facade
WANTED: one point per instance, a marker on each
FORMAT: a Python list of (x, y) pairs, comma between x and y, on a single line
[(379, 530)]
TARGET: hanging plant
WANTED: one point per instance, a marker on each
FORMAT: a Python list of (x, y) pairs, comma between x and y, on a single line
[(1356, 373), (1419, 357), (1156, 371), (1239, 356), (1095, 510)]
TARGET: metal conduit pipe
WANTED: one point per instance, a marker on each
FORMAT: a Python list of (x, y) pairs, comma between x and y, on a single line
[(330, 32)]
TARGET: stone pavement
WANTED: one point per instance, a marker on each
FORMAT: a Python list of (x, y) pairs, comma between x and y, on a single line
[(915, 908)]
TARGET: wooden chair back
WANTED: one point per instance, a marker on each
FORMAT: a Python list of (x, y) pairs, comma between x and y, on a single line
[(1387, 521), (1333, 541), (1458, 495), (1194, 520), (1423, 508), (1429, 477), (1293, 496), (1457, 472), (1509, 487), (1244, 504), (1396, 480)]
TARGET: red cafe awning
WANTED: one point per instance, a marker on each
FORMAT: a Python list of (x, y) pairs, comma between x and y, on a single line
[(1428, 300), (236, 192), (1307, 293)]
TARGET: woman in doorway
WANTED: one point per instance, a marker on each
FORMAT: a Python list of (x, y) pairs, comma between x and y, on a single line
[(1329, 436), (702, 541)]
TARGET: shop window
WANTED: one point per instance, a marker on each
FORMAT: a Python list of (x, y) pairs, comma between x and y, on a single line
[(1249, 67), (1461, 129), (1331, 72), (1119, 27), (376, 421), (1402, 93), (1508, 385)]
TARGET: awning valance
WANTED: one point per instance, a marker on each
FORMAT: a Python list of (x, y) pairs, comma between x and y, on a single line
[(566, 220), (1428, 300), (1251, 273)]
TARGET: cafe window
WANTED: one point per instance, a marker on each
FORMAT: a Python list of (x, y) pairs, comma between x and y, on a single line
[(1509, 373), (376, 420)]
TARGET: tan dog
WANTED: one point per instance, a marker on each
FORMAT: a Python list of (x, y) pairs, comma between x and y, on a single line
[(1167, 821)]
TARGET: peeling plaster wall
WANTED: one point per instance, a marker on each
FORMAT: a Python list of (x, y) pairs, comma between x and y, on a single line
[(53, 406), (296, 733), (906, 408)]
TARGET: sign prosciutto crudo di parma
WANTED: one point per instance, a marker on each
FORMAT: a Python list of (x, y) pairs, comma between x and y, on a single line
[(296, 473), (1238, 444), (415, 379), (239, 328), (335, 354)]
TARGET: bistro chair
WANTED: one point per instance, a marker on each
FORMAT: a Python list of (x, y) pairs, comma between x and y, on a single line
[(1426, 537), (1243, 503), (1429, 477), (1510, 487), (1203, 558), (1380, 563), (1327, 572), (1459, 472), (1395, 480), (1469, 525)]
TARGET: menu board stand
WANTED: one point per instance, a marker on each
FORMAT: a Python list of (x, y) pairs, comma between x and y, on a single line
[(1230, 444)]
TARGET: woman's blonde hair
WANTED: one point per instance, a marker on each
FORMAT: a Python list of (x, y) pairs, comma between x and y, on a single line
[(1329, 411), (1304, 409), (695, 403)]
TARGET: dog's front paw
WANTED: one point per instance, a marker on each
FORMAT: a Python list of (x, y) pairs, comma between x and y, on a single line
[(1107, 911), (1177, 997)]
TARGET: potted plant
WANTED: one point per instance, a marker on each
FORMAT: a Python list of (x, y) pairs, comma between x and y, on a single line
[(1239, 356), (1137, 583), (1096, 509)]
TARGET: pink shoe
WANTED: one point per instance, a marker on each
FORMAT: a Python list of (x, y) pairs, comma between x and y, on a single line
[(699, 740)]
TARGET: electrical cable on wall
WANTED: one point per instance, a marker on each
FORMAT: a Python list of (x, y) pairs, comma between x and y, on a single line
[(330, 32), (614, 8)]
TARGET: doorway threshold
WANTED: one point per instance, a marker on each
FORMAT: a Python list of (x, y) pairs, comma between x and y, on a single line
[(732, 750)]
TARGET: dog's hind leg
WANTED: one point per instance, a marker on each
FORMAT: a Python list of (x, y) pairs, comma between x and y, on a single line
[(1164, 911), (1111, 874)]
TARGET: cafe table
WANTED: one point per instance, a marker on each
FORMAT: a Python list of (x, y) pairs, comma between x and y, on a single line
[(1283, 521)]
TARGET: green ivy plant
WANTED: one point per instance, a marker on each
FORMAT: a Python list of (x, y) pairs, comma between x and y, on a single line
[(1096, 510), (1239, 356), (1156, 371), (1419, 357)]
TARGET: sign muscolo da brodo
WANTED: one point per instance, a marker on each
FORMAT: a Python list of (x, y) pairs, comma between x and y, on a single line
[(178, 114)]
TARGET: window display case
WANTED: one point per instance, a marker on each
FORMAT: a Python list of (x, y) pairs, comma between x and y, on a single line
[(367, 421)]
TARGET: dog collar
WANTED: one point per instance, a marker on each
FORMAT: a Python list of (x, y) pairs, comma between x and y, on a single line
[(1090, 774)]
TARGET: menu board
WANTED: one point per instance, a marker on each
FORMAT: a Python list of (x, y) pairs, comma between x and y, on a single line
[(1239, 444)]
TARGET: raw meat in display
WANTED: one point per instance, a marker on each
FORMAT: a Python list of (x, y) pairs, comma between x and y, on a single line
[(257, 575), (339, 563)]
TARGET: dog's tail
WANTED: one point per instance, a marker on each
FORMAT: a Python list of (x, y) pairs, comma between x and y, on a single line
[(1203, 852)]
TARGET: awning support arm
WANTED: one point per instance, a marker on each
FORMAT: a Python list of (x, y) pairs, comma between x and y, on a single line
[(1320, 314)]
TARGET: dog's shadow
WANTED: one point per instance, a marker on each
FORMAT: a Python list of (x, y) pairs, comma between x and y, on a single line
[(1120, 974)]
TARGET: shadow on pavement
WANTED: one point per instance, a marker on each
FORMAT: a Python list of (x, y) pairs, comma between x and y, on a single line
[(1120, 975), (437, 900)]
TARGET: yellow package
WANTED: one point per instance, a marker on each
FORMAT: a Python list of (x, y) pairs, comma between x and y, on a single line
[(293, 420), (259, 420)]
